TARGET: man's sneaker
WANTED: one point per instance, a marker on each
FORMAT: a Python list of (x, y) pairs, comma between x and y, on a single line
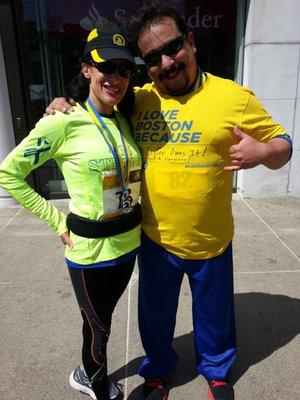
[(155, 389), (79, 381), (220, 390)]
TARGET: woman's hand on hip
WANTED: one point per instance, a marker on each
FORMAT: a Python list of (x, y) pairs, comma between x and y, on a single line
[(65, 238)]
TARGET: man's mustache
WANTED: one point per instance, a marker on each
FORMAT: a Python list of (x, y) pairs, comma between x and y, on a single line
[(166, 73)]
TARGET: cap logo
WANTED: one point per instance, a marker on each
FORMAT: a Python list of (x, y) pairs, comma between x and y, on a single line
[(118, 40)]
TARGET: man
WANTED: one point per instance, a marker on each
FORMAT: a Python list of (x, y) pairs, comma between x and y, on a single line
[(193, 129)]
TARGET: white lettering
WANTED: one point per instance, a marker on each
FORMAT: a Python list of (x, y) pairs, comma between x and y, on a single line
[(195, 20), (207, 21), (217, 17)]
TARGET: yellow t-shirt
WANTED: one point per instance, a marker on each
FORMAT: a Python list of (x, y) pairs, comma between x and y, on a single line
[(186, 194)]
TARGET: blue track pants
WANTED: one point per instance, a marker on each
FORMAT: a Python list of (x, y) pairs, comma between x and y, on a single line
[(211, 283)]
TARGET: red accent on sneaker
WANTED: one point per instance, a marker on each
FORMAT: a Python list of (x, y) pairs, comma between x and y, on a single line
[(156, 382), (218, 383), (210, 395)]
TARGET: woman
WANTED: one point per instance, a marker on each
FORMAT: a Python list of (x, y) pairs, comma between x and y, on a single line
[(100, 163)]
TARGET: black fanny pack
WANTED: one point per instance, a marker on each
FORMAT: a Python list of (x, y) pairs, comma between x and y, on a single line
[(98, 229)]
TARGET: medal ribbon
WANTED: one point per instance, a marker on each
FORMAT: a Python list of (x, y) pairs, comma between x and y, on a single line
[(123, 168)]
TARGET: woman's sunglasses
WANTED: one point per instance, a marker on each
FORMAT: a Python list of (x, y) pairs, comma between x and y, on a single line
[(125, 70), (170, 50)]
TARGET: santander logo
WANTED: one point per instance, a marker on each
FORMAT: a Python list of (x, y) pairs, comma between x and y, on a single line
[(196, 19)]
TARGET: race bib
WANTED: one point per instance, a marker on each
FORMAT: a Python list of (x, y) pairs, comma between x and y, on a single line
[(115, 201)]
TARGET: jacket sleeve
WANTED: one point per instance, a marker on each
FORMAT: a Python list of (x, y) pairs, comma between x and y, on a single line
[(257, 122), (44, 142)]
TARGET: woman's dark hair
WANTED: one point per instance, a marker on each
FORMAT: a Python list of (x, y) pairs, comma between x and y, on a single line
[(126, 105), (156, 12), (78, 89)]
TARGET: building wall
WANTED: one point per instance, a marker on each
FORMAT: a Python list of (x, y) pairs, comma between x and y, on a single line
[(272, 71)]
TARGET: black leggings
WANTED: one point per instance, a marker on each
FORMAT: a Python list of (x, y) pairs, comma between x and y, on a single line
[(98, 291)]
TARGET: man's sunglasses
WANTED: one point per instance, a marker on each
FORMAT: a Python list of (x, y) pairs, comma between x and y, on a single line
[(170, 50), (108, 68)]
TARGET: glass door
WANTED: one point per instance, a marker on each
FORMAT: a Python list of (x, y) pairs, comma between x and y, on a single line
[(40, 59)]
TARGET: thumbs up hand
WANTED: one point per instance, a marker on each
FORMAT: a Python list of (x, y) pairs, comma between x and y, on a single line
[(247, 153)]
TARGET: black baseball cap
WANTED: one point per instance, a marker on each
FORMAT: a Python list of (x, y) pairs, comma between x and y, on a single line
[(107, 43)]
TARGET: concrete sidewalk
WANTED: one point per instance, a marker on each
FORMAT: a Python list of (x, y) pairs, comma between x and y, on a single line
[(40, 328)]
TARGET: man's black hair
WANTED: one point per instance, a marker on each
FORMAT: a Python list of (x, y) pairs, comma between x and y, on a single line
[(156, 12)]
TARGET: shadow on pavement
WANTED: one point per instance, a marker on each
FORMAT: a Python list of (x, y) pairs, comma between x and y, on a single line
[(265, 323)]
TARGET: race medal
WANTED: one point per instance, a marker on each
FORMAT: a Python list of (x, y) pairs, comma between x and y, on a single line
[(126, 201)]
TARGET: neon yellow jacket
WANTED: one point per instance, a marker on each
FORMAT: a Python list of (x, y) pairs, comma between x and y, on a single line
[(74, 142)]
